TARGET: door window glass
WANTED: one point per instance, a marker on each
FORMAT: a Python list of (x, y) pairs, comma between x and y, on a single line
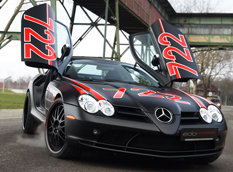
[(145, 50), (62, 37)]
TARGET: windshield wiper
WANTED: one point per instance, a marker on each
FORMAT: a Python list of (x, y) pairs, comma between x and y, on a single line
[(95, 80), (114, 80)]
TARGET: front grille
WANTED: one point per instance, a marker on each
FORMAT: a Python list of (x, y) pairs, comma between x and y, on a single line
[(130, 113), (190, 118), (136, 114)]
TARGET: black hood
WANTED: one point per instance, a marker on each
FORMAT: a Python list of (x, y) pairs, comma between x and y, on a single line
[(146, 98)]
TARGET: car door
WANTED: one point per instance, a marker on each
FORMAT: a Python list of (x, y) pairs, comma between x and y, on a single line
[(165, 53), (42, 39)]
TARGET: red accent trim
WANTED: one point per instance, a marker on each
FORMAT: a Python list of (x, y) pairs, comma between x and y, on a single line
[(174, 98), (205, 100), (163, 39), (97, 95), (176, 70), (206, 132), (28, 32), (167, 52), (161, 25), (80, 90), (147, 93), (172, 66), (40, 22), (28, 48), (120, 92), (48, 24), (195, 99)]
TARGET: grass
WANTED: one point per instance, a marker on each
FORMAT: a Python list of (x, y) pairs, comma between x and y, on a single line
[(11, 100)]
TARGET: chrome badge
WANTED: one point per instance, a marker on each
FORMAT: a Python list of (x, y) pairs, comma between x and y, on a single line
[(163, 115)]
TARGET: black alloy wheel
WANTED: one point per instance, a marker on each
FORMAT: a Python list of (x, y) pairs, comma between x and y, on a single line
[(56, 128), (55, 136)]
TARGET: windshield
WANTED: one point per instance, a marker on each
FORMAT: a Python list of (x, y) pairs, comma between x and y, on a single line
[(110, 72)]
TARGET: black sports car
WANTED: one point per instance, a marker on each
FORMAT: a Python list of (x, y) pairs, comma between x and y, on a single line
[(110, 105)]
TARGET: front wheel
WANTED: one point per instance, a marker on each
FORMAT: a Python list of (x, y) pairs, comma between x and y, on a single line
[(55, 136)]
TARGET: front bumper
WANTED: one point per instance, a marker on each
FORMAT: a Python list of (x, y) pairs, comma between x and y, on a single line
[(133, 136)]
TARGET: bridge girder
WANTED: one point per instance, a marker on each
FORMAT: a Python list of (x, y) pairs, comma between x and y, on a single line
[(141, 14)]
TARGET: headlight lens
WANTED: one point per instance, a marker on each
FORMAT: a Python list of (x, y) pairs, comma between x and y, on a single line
[(215, 113), (205, 115), (88, 103), (106, 108), (212, 113)]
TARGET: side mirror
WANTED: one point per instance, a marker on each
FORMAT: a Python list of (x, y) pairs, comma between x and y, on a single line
[(65, 51), (155, 60)]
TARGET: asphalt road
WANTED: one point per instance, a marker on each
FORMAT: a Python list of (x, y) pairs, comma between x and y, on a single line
[(20, 152)]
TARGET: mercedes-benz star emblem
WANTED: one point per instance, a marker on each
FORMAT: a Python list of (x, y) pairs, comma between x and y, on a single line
[(163, 115)]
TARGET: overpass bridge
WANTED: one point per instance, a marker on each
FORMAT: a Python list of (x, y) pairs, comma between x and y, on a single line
[(131, 16), (206, 30)]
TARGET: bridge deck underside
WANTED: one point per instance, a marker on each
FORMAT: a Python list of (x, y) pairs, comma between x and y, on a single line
[(129, 22)]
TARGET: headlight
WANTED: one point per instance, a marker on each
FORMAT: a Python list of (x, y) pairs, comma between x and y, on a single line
[(88, 103), (205, 115), (106, 108), (215, 113)]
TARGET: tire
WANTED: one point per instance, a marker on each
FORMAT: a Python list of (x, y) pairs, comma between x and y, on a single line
[(55, 137), (29, 123)]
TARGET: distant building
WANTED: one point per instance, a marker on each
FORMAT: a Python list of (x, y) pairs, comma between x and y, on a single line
[(211, 90)]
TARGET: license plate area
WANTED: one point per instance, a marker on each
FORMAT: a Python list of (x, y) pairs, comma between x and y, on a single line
[(198, 134)]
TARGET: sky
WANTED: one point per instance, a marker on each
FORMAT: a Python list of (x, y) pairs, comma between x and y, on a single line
[(215, 6), (92, 45)]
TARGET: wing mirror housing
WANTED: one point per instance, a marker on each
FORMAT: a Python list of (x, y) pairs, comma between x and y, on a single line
[(65, 51), (155, 60)]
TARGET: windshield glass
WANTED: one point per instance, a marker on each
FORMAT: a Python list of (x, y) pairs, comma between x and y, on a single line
[(99, 71)]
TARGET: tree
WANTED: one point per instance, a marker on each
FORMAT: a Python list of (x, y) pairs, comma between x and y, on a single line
[(225, 85), (195, 6), (212, 63), (22, 82)]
